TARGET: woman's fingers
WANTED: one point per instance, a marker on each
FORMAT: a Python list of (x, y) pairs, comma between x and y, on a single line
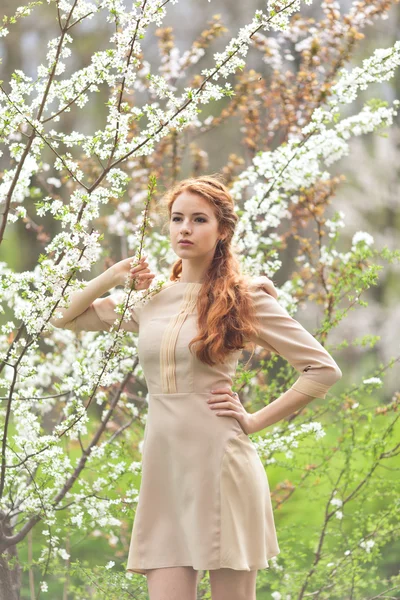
[(139, 267), (141, 272), (144, 279)]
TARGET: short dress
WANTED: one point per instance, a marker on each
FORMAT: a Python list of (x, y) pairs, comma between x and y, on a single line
[(204, 498)]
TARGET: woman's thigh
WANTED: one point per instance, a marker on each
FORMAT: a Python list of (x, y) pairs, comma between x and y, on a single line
[(172, 583), (228, 584)]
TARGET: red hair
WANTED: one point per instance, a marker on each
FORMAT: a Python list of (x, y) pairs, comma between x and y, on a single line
[(225, 313)]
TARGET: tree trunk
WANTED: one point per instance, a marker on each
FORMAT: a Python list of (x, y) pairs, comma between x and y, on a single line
[(10, 580), (10, 576)]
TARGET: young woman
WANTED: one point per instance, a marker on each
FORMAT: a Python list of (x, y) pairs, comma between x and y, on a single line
[(204, 498)]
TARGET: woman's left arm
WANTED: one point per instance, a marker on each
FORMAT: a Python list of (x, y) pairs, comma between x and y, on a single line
[(282, 334)]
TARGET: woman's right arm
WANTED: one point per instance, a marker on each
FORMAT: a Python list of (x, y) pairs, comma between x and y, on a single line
[(87, 311)]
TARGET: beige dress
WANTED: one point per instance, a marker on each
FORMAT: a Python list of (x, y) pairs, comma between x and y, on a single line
[(204, 497)]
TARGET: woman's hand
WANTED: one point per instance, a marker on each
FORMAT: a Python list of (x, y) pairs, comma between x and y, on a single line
[(227, 403), (140, 272)]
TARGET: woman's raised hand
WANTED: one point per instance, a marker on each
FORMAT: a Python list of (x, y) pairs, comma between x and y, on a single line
[(139, 271)]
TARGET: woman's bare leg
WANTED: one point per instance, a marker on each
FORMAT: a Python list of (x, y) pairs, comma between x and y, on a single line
[(172, 583), (228, 584)]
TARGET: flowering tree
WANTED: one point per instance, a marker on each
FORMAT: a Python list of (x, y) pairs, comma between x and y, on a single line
[(73, 406)]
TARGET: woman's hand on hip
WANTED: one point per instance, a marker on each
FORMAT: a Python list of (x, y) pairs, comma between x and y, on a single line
[(227, 403)]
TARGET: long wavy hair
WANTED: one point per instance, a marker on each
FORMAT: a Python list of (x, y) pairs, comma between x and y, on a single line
[(226, 317)]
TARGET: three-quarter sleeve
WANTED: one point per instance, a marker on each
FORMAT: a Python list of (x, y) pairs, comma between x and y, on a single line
[(282, 334), (101, 315)]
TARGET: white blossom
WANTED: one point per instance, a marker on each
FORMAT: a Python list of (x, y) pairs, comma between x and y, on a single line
[(376, 381), (63, 553), (362, 236), (336, 502), (367, 545)]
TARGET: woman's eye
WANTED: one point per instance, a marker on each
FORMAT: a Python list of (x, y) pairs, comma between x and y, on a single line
[(201, 218)]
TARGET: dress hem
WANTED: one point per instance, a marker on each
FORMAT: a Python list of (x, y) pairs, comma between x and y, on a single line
[(223, 566)]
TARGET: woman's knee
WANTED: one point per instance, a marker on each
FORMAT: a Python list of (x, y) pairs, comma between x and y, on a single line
[(172, 583)]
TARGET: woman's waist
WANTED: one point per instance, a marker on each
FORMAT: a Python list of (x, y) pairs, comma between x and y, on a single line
[(186, 414)]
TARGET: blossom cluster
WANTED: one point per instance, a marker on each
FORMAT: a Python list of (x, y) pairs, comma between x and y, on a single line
[(274, 177)]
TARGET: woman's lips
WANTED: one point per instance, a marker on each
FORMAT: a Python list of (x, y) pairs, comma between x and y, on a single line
[(186, 243)]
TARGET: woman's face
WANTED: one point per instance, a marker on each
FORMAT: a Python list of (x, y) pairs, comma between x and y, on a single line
[(193, 219)]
